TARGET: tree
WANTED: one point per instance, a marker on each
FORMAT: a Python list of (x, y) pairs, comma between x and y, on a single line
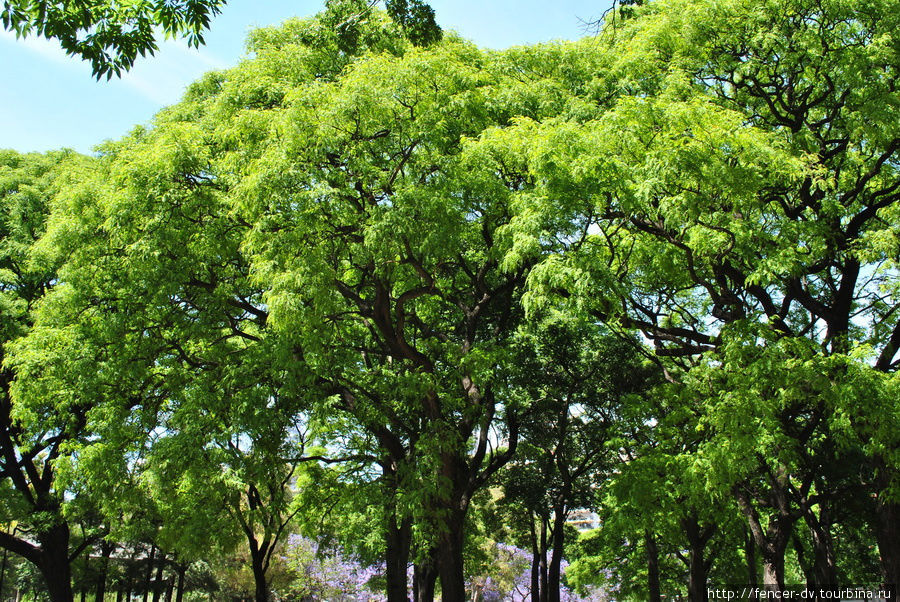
[(742, 191), (35, 435), (112, 34), (576, 384)]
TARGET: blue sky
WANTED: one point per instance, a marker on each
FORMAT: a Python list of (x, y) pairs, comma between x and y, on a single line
[(49, 100)]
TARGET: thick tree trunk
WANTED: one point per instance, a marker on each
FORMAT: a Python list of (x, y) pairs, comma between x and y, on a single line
[(887, 529), (554, 576), (698, 565), (450, 559), (397, 539), (54, 563), (750, 557), (259, 577), (771, 542), (824, 568), (773, 572), (654, 593)]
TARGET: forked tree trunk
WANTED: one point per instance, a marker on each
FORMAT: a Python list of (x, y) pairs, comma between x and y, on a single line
[(554, 574), (698, 564), (398, 537), (425, 577), (542, 563)]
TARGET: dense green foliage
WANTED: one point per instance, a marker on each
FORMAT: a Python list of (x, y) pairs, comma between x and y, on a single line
[(420, 302)]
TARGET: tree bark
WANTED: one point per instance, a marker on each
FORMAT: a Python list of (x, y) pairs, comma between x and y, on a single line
[(698, 565), (158, 586), (54, 562), (398, 539), (654, 593), (148, 576), (450, 561), (542, 562), (888, 535), (425, 577), (106, 549), (535, 562), (554, 576), (750, 557), (261, 593), (179, 590)]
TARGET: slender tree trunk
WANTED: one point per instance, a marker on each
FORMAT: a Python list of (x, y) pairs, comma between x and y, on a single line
[(750, 557), (535, 594), (554, 574), (3, 572), (106, 549), (542, 562), (158, 586), (148, 576), (654, 593), (425, 577), (179, 589)]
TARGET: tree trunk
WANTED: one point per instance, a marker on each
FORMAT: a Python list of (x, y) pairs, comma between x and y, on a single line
[(887, 530), (535, 593), (3, 573), (654, 594), (158, 585), (750, 557), (179, 590), (450, 558), (54, 562), (106, 549), (554, 574), (771, 542), (397, 538), (425, 578), (824, 568), (542, 563), (259, 577), (148, 576), (698, 565)]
